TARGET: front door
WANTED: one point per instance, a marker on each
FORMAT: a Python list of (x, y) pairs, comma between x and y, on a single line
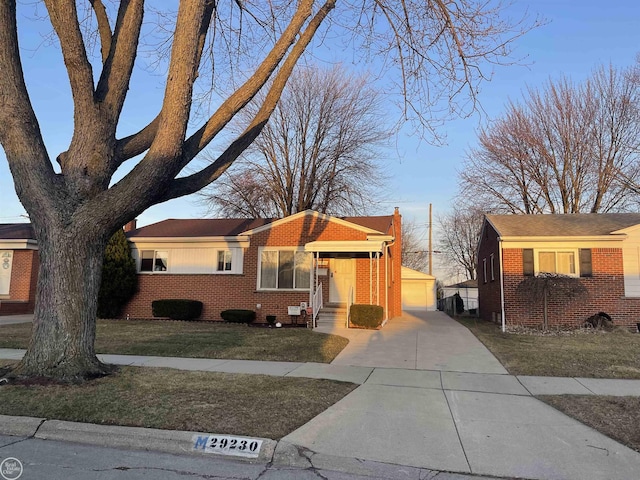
[(341, 279), (6, 260)]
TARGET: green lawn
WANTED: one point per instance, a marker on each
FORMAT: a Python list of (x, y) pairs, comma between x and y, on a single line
[(598, 355), (200, 340), (254, 405)]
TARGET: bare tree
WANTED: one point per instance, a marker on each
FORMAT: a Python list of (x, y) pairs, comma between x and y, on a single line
[(459, 233), (414, 254), (569, 148), (318, 151), (440, 49)]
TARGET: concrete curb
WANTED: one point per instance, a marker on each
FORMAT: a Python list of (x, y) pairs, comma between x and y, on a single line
[(19, 426), (115, 436)]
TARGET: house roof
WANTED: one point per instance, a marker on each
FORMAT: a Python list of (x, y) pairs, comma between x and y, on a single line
[(16, 231), (562, 225), (205, 227), (411, 274), (465, 284), (228, 227)]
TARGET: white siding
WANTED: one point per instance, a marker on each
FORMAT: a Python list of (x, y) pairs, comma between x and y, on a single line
[(184, 259), (631, 264)]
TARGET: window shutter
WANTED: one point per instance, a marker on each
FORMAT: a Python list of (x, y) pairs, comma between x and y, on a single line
[(585, 262), (527, 261)]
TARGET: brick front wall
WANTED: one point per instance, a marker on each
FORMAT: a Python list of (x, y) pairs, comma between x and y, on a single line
[(605, 294), (24, 277), (221, 292)]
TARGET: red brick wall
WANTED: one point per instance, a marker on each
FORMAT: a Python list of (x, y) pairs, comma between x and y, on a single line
[(489, 291), (221, 292), (605, 293), (24, 278)]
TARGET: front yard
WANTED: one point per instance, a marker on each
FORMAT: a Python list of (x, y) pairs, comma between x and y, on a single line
[(200, 340), (236, 404), (597, 355)]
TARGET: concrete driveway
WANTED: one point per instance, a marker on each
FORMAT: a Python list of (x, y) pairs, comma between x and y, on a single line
[(443, 402), (419, 341)]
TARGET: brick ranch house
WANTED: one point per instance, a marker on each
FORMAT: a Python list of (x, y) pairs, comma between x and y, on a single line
[(18, 268), (601, 250), (269, 265)]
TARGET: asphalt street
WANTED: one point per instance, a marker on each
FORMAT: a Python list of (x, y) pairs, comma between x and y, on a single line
[(56, 460)]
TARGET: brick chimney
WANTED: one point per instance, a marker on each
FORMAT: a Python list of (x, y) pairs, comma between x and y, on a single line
[(132, 225)]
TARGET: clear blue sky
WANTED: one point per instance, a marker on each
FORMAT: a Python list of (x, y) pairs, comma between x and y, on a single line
[(579, 35)]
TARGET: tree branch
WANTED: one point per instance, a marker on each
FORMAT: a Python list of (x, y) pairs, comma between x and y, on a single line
[(118, 65), (195, 182), (104, 28), (19, 130)]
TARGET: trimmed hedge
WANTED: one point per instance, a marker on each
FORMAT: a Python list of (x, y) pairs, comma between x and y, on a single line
[(177, 309), (366, 316), (238, 316)]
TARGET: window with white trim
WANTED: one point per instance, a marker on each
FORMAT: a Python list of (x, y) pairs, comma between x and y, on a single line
[(484, 270), (285, 269), (154, 261), (224, 262), (557, 261), (493, 275)]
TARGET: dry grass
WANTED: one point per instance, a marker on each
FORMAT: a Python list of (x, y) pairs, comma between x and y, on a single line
[(254, 405), (597, 355), (616, 417), (200, 340)]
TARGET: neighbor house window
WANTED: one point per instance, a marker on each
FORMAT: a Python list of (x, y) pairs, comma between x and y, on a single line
[(224, 261), (154, 261), (493, 275), (484, 270), (557, 262), (285, 269)]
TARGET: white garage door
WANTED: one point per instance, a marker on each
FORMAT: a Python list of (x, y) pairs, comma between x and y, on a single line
[(417, 295)]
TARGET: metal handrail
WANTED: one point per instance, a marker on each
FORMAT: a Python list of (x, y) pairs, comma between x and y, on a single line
[(349, 303), (317, 304)]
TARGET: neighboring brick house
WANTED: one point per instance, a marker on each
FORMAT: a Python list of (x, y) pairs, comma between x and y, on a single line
[(601, 250), (18, 268), (268, 265)]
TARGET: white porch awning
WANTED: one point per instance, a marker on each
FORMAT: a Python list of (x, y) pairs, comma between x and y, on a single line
[(346, 246)]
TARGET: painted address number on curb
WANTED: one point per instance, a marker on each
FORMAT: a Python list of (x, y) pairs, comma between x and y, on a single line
[(227, 445)]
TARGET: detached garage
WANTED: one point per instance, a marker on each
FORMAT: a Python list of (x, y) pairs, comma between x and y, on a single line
[(418, 290)]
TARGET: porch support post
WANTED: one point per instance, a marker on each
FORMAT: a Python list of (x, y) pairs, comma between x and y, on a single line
[(377, 278), (370, 278), (386, 280)]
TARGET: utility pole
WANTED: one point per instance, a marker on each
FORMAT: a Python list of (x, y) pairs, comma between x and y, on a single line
[(430, 245)]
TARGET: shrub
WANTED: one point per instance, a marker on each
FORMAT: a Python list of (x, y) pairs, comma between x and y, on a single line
[(177, 309), (459, 304), (271, 319), (119, 277), (366, 316), (238, 316)]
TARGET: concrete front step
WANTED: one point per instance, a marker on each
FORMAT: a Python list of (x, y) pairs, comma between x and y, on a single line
[(332, 316)]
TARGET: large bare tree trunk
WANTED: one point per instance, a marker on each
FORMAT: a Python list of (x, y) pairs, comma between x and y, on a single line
[(64, 326)]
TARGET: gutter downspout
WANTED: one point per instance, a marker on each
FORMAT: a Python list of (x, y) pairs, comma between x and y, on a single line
[(503, 320), (386, 280)]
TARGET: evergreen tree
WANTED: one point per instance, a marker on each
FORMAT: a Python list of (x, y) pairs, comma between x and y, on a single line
[(119, 277)]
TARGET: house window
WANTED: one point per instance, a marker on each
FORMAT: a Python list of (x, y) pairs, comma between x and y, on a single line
[(224, 261), (493, 275), (484, 270), (285, 269), (562, 262), (154, 261)]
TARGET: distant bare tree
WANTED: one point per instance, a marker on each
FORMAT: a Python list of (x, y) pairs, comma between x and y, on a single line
[(567, 148), (458, 239), (414, 254), (318, 151)]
